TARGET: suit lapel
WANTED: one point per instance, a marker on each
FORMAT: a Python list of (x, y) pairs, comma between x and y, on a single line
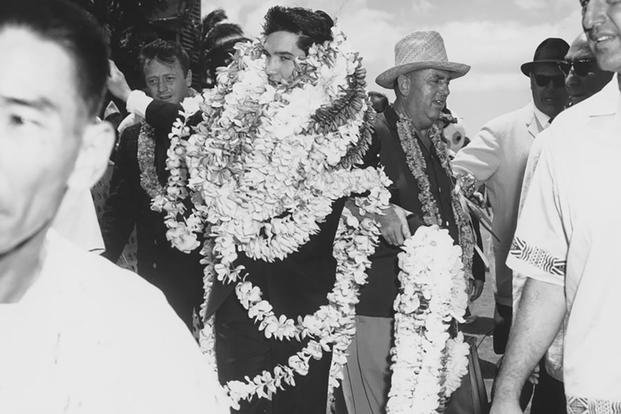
[(532, 124)]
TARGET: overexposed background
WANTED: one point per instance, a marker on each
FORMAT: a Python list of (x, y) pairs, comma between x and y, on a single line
[(493, 36)]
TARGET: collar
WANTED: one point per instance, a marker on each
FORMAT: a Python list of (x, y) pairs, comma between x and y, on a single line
[(543, 119)]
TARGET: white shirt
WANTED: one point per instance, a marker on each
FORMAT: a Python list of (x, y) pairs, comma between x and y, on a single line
[(89, 337), (497, 157), (554, 356), (568, 234)]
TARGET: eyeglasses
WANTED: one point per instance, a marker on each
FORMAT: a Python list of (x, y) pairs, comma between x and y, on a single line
[(544, 80), (582, 67)]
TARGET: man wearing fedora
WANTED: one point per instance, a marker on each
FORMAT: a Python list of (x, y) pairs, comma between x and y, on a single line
[(566, 243), (420, 79), (497, 158)]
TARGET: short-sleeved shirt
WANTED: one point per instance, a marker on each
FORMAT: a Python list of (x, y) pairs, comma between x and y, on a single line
[(89, 337), (568, 235)]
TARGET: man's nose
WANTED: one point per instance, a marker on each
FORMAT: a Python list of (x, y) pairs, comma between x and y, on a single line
[(594, 14), (271, 66), (161, 86), (572, 79)]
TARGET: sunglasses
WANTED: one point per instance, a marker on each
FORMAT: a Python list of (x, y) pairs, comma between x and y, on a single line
[(544, 80), (582, 67)]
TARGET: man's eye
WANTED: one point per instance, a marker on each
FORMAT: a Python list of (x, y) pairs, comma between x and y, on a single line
[(16, 120), (170, 78)]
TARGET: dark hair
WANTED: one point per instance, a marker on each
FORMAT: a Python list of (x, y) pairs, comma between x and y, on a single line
[(217, 46), (165, 51), (74, 30), (312, 26)]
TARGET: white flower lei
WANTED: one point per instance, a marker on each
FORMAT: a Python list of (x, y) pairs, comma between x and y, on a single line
[(427, 364), (264, 169)]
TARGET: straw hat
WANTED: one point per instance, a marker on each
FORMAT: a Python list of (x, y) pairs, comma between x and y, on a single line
[(420, 50)]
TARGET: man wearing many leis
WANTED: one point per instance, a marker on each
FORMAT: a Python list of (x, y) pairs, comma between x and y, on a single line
[(139, 174), (261, 184), (408, 134)]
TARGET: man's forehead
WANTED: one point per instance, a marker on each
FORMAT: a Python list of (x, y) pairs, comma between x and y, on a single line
[(281, 42), (579, 50), (154, 65), (41, 73)]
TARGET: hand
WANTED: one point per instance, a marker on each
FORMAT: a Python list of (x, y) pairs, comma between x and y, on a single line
[(117, 84), (394, 225), (505, 407), (476, 288), (534, 376)]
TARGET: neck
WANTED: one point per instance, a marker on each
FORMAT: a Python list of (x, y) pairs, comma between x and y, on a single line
[(402, 109), (20, 266)]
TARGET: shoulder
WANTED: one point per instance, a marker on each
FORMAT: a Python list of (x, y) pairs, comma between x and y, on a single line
[(507, 121), (380, 125), (97, 283)]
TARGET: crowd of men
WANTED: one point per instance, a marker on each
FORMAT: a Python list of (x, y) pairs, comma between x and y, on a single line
[(80, 335)]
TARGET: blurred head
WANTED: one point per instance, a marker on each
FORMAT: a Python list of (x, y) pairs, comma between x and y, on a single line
[(50, 94), (422, 95), (455, 136), (601, 21), (379, 101), (166, 69), (219, 40), (583, 77), (289, 33)]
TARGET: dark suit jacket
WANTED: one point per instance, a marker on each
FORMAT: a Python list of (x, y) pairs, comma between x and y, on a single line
[(177, 274), (298, 284), (377, 297)]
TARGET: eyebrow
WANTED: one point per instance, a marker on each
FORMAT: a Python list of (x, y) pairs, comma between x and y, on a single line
[(40, 104), (278, 53)]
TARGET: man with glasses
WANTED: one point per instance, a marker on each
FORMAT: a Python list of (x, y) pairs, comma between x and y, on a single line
[(497, 157), (567, 244), (583, 77)]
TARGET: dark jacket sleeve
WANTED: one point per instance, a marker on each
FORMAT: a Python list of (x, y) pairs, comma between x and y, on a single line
[(162, 115), (120, 209)]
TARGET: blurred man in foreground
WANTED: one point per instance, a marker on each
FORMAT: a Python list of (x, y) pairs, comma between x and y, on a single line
[(79, 335)]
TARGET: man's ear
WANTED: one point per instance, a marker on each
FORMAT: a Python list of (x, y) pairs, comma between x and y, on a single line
[(92, 160), (403, 81), (188, 78)]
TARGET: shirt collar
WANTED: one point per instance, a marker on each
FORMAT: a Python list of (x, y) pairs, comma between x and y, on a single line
[(542, 118)]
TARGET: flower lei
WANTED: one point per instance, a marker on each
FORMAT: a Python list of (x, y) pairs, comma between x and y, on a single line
[(146, 161), (261, 171), (149, 180), (427, 365), (431, 215)]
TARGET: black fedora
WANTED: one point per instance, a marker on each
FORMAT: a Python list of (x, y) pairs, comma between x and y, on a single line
[(551, 50)]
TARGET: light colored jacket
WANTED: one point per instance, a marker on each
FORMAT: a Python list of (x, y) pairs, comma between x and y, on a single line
[(497, 157)]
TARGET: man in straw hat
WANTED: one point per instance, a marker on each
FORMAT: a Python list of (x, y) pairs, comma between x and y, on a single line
[(497, 157), (405, 139)]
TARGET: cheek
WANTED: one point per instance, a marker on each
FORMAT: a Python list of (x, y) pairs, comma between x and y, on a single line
[(286, 68), (151, 90)]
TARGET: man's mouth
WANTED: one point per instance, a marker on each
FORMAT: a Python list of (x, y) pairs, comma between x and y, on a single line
[(600, 39), (165, 97)]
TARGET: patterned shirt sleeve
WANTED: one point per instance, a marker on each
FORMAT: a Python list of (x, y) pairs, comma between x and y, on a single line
[(539, 248)]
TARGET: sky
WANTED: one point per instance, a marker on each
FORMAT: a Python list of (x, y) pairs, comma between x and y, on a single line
[(493, 36)]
